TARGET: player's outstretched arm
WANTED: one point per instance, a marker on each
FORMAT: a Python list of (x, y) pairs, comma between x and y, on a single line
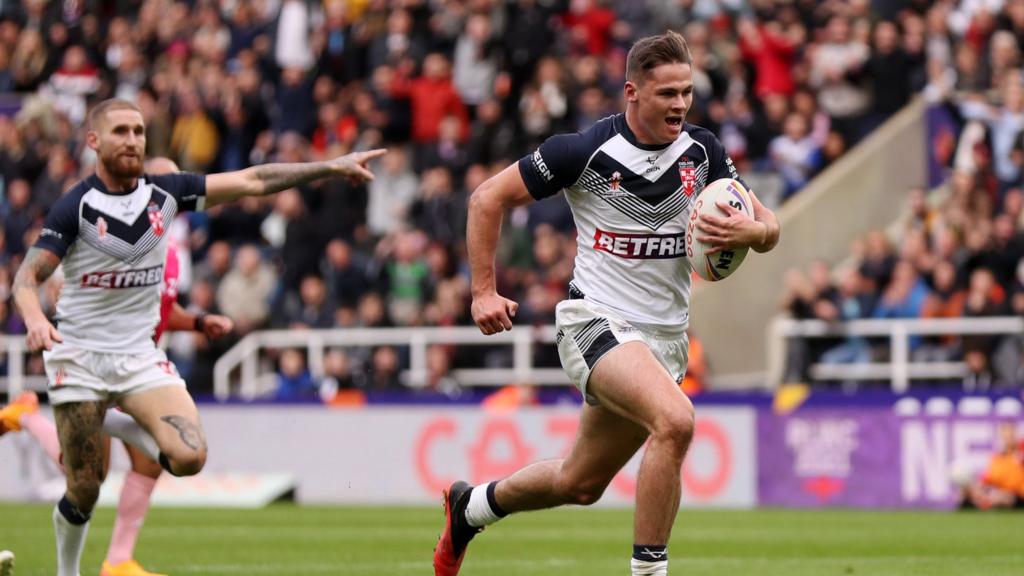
[(271, 178), (491, 313), (37, 267)]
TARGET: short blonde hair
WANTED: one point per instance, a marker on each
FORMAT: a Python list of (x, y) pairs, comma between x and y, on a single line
[(100, 110)]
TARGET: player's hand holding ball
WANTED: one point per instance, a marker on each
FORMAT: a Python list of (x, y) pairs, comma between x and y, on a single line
[(493, 313), (722, 228), (734, 225), (352, 166)]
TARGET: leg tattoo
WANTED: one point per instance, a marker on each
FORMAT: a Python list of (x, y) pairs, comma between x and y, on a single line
[(191, 434), (79, 427)]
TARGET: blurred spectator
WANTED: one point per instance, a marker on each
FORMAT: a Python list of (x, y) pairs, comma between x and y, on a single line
[(891, 71), (338, 374), (392, 191), (878, 261), (945, 300), (984, 298), (312, 308), (836, 68), (294, 381), (1001, 485), (70, 85), (194, 138), (433, 97), (904, 296), (346, 274), (851, 302), (439, 378), (384, 370), (293, 30), (245, 291), (1005, 124), (215, 266), (773, 53), (18, 215), (795, 153), (439, 212), (407, 278), (475, 64), (29, 61)]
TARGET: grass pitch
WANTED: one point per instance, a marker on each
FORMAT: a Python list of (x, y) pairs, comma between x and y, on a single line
[(286, 539)]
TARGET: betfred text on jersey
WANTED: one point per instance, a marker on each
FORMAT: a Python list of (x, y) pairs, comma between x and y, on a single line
[(124, 278), (644, 246)]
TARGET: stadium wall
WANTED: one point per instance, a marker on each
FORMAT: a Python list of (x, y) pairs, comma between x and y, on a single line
[(742, 456), (864, 190)]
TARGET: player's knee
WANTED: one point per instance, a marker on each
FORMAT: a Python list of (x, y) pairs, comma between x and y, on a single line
[(84, 492), (188, 463), (677, 427)]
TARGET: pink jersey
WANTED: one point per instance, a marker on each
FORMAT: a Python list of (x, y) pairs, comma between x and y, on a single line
[(169, 293)]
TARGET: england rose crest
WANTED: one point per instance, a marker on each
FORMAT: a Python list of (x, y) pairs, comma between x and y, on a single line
[(614, 181), (156, 219), (688, 175)]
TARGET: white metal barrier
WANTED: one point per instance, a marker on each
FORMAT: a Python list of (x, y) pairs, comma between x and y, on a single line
[(14, 349), (246, 354), (900, 370)]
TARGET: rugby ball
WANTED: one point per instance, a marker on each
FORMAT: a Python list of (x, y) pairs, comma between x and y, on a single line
[(720, 265)]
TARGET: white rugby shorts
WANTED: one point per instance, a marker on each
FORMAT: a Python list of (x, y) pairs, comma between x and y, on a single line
[(587, 331), (78, 375)]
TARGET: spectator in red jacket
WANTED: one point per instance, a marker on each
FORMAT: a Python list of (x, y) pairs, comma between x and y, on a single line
[(772, 52), (433, 97)]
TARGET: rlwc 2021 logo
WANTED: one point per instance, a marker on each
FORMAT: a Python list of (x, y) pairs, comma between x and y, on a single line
[(124, 278), (640, 246)]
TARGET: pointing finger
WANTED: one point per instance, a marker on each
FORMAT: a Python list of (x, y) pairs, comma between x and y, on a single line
[(371, 154)]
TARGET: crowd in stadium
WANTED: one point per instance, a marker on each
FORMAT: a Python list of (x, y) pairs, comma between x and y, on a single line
[(457, 89), (960, 250)]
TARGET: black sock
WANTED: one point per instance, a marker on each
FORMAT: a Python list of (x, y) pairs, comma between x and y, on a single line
[(650, 553), (492, 502), (70, 512)]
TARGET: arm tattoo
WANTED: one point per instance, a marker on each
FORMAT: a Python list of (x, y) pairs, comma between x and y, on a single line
[(191, 434), (37, 267), (277, 177)]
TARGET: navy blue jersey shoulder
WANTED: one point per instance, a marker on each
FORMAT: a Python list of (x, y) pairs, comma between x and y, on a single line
[(186, 187), (719, 164), (60, 228), (559, 161)]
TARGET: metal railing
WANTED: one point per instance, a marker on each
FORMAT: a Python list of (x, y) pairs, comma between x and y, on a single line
[(253, 377), (245, 355), (900, 369), (15, 350)]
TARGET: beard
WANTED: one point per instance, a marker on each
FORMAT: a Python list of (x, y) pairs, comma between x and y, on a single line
[(123, 167)]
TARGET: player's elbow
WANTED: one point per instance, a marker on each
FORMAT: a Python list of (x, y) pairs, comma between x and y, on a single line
[(485, 198), (500, 192)]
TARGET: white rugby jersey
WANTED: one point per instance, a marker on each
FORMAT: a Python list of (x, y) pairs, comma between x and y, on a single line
[(113, 248), (631, 203)]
